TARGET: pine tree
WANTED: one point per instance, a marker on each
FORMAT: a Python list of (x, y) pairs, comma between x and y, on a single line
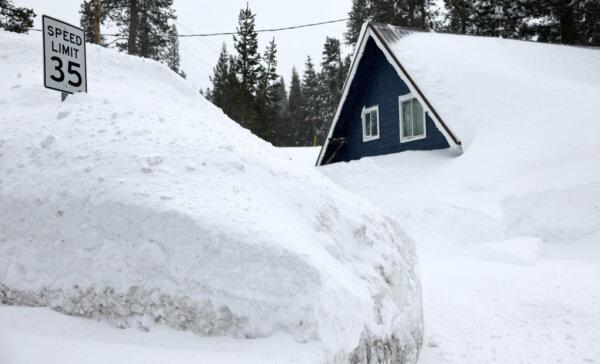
[(282, 97), (588, 22), (297, 130), (459, 16), (283, 118), (225, 90), (332, 77), (93, 15), (357, 16), (312, 101), (408, 13), (171, 56), (220, 80), (15, 19), (234, 92), (146, 25), (247, 64), (266, 92), (266, 95)]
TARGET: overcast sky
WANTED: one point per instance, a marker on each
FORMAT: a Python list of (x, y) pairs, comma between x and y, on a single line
[(199, 55)]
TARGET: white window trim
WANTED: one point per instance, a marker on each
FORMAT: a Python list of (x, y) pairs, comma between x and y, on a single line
[(402, 99), (368, 138)]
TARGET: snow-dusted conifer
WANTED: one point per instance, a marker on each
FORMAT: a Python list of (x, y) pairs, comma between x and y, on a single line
[(15, 19), (247, 64)]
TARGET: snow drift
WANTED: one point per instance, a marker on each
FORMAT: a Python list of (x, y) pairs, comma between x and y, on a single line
[(141, 202)]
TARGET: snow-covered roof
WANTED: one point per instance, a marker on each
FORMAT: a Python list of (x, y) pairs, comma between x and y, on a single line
[(480, 86)]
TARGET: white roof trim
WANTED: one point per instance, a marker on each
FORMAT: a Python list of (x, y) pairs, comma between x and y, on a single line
[(365, 34)]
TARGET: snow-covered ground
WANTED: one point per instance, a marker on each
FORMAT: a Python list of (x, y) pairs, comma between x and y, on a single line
[(34, 335), (140, 204), (508, 234), (487, 298)]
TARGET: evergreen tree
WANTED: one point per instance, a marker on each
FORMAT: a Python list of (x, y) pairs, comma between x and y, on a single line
[(171, 56), (588, 22), (266, 95), (282, 98), (408, 13), (266, 91), (15, 19), (554, 21), (332, 77), (146, 24), (225, 90), (283, 118), (459, 16), (220, 80), (247, 64), (312, 102), (234, 92), (298, 127), (357, 16), (93, 14)]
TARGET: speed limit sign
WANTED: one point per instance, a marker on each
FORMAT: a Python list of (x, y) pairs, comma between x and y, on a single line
[(64, 56)]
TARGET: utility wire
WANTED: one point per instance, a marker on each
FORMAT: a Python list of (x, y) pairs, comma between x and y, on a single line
[(267, 30), (233, 33), (203, 41)]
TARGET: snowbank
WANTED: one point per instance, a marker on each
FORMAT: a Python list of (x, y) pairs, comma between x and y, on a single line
[(141, 203)]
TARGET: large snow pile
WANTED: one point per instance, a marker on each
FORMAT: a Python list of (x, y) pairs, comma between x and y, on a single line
[(140, 202)]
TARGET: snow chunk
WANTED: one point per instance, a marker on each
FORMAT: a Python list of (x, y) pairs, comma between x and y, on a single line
[(63, 114), (48, 141)]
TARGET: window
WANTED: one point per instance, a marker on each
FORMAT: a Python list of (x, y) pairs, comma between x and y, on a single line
[(412, 119), (370, 121)]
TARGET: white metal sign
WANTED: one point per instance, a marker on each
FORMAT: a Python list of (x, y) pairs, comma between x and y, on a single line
[(64, 56)]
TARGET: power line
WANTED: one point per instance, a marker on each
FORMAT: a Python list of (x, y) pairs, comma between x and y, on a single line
[(267, 30), (203, 41), (233, 33)]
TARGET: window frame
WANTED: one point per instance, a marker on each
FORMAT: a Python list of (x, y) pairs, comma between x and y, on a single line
[(365, 111), (402, 99)]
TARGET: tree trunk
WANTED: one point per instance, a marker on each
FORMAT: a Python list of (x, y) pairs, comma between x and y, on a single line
[(97, 13), (423, 15), (567, 22), (411, 13), (133, 27)]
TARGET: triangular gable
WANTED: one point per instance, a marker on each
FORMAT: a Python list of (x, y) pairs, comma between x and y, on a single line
[(382, 34)]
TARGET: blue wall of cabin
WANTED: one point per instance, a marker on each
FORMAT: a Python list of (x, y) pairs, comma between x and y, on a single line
[(377, 83)]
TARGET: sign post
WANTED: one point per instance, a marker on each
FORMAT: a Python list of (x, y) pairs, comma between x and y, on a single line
[(65, 66)]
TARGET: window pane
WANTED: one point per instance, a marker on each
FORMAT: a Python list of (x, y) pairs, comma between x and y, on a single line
[(407, 128), (418, 122), (368, 124), (374, 122)]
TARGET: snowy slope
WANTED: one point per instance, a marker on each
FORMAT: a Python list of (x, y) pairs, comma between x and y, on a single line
[(508, 234), (140, 203)]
